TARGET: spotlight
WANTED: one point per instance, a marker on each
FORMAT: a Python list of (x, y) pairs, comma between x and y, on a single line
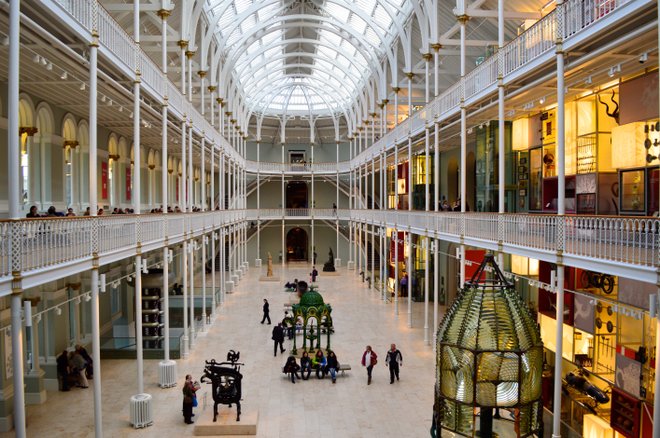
[(588, 81), (58, 311), (49, 66), (643, 57), (542, 100), (121, 109), (88, 298), (103, 98), (43, 60), (82, 86), (64, 76), (102, 286), (109, 102), (35, 59)]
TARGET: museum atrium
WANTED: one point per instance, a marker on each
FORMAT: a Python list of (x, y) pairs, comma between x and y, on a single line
[(462, 173)]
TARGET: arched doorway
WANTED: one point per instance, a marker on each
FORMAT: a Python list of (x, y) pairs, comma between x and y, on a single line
[(296, 194), (296, 245)]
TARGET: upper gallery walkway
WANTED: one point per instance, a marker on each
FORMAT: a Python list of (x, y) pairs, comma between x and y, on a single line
[(574, 23), (35, 251)]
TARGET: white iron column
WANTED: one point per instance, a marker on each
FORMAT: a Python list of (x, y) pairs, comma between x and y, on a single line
[(137, 201), (213, 234), (463, 19), (500, 106), (561, 211), (13, 180), (436, 273), (203, 274), (426, 288), (395, 240), (427, 166), (192, 247), (409, 271), (93, 209), (436, 166)]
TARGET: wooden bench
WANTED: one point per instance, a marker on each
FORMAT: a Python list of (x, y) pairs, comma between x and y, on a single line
[(343, 367)]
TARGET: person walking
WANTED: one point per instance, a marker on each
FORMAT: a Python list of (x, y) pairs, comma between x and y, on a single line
[(404, 285), (394, 360), (278, 338), (369, 360), (266, 309), (188, 399), (314, 274)]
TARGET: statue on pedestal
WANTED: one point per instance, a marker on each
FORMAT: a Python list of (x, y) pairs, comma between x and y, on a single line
[(329, 266), (269, 273)]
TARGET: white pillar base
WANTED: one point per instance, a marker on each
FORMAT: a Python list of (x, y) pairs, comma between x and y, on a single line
[(246, 266), (337, 262), (167, 374), (350, 265), (235, 278), (257, 263), (229, 287), (142, 411)]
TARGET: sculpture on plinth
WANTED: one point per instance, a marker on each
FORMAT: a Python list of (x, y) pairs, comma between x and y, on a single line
[(329, 266), (225, 378), (269, 273)]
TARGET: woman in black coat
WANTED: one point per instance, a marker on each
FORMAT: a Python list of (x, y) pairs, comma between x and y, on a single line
[(291, 367)]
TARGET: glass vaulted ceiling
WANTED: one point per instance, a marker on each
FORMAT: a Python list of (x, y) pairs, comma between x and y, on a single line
[(304, 56)]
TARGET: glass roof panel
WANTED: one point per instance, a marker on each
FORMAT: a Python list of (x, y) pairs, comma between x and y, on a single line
[(350, 43)]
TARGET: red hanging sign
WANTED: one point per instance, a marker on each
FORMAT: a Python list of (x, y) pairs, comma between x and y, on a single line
[(104, 180), (129, 184)]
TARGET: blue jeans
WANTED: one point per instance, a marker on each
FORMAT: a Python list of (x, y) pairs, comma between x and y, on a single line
[(333, 373)]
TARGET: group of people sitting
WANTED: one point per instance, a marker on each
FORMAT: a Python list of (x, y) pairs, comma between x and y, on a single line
[(74, 368), (323, 365), (291, 286)]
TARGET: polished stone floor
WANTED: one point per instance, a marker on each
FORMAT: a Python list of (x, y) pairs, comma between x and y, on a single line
[(313, 408)]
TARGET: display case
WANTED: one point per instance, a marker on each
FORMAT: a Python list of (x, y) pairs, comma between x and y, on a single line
[(625, 414), (152, 319), (632, 191), (535, 179)]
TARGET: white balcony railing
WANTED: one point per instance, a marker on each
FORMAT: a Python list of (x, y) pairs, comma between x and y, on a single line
[(32, 245)]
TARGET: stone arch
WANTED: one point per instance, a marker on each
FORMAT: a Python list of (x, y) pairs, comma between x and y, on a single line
[(69, 128), (26, 112)]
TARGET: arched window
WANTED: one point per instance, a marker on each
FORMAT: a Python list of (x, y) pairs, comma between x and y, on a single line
[(69, 144), (27, 128)]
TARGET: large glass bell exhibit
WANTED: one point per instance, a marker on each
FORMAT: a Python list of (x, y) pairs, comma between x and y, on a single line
[(489, 361)]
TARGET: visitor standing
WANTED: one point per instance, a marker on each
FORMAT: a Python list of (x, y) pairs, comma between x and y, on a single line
[(63, 370), (189, 398), (369, 360), (278, 338), (314, 274), (394, 360), (266, 309), (404, 285)]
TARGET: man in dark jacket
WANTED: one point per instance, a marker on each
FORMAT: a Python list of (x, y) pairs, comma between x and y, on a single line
[(394, 360), (278, 339), (63, 370), (266, 312)]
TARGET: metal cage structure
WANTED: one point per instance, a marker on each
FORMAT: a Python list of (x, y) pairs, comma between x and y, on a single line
[(489, 360)]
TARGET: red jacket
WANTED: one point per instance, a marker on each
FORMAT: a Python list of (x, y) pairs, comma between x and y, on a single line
[(374, 359)]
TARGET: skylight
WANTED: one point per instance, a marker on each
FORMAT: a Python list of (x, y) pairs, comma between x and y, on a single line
[(301, 56)]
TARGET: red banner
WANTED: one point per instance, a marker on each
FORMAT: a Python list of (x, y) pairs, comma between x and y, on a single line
[(104, 180), (129, 184)]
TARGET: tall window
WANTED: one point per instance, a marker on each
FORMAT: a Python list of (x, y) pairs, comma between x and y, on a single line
[(24, 168)]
